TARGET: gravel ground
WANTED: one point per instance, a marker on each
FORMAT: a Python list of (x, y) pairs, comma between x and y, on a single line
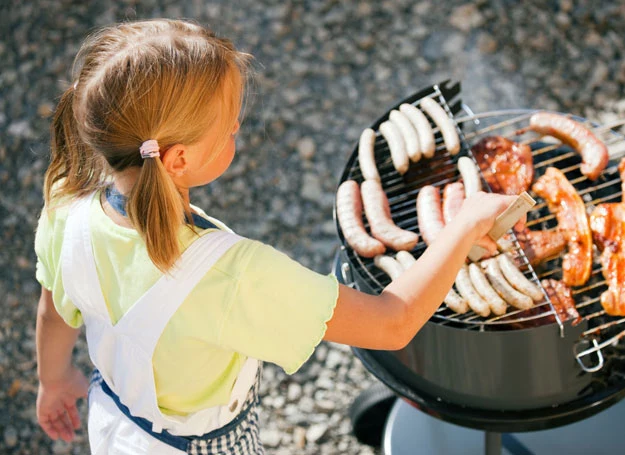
[(324, 70)]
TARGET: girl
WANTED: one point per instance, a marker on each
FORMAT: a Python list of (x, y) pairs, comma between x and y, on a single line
[(179, 311)]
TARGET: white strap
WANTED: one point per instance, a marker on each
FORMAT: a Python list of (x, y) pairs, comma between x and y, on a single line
[(80, 278), (162, 300)]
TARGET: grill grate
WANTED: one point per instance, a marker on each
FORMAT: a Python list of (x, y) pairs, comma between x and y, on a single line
[(442, 169)]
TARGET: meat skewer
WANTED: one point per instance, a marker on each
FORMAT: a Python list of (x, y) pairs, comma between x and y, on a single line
[(453, 197), (593, 151), (429, 213), (366, 157), (411, 139), (421, 124), (378, 213), (518, 281), (349, 214), (483, 287), (444, 123), (503, 288), (396, 146), (570, 212)]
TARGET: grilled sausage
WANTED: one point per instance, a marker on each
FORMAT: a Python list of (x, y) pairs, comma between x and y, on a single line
[(389, 265), (349, 214), (429, 213), (456, 303), (483, 287), (453, 197), (518, 281), (396, 146), (593, 151), (503, 288), (444, 123), (411, 139), (366, 156), (466, 290), (423, 128), (378, 213), (470, 175), (405, 259)]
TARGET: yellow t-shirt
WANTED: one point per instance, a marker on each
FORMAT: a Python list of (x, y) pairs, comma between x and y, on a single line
[(254, 302)]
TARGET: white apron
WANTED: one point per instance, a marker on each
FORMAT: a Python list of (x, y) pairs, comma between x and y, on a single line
[(123, 355)]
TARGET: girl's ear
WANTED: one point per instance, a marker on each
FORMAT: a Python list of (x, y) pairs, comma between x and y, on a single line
[(175, 160)]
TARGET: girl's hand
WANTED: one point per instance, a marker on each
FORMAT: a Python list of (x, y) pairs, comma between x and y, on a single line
[(478, 214), (56, 405)]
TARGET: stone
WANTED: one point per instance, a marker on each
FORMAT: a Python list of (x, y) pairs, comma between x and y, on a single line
[(294, 391), (10, 436), (316, 432), (311, 187), (270, 437), (466, 17), (306, 148), (299, 437)]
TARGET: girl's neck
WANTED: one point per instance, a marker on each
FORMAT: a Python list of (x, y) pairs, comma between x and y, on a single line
[(125, 180)]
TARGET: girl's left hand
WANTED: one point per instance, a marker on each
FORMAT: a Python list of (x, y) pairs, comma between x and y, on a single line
[(56, 404)]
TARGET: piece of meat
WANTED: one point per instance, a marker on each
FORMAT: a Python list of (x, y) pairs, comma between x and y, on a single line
[(507, 166), (408, 132), (517, 279), (349, 214), (423, 128), (541, 245), (593, 151), (429, 213), (366, 157), (607, 222), (388, 265), (396, 146), (570, 212), (453, 197), (484, 288), (503, 288), (562, 300), (469, 293), (378, 213), (445, 125)]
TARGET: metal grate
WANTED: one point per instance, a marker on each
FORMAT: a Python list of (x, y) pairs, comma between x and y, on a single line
[(442, 169)]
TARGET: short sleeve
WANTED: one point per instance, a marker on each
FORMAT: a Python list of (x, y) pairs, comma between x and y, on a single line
[(48, 244), (279, 310)]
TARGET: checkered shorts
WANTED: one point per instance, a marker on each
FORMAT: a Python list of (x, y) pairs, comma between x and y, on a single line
[(239, 437)]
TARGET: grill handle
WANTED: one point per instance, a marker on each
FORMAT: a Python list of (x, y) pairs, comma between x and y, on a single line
[(596, 349)]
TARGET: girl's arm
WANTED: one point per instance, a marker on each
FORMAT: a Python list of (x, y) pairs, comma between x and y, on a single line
[(389, 321), (60, 383)]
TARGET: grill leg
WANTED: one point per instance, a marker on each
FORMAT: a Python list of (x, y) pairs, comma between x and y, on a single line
[(492, 443)]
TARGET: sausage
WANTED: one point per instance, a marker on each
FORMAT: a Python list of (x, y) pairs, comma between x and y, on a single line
[(470, 175), (349, 214), (366, 156), (453, 197), (518, 281), (456, 303), (503, 288), (405, 259), (593, 151), (429, 213), (409, 134), (423, 128), (483, 288), (466, 290), (389, 265), (378, 213), (396, 146), (444, 123)]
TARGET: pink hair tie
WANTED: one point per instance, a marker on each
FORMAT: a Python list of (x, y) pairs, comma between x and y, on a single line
[(149, 149)]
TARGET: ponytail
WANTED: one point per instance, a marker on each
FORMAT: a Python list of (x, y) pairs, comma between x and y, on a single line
[(156, 210), (74, 169)]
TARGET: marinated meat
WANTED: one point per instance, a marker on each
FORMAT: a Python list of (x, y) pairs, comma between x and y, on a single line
[(562, 300), (541, 245), (608, 228), (570, 212), (507, 166)]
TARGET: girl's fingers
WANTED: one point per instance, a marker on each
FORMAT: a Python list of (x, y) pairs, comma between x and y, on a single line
[(49, 429), (74, 417), (64, 426)]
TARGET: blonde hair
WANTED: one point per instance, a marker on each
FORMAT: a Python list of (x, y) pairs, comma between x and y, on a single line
[(167, 80)]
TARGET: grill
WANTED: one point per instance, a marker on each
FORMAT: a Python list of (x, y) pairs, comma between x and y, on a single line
[(522, 361)]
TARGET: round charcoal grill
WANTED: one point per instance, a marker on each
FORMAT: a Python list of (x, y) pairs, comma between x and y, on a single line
[(523, 371)]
